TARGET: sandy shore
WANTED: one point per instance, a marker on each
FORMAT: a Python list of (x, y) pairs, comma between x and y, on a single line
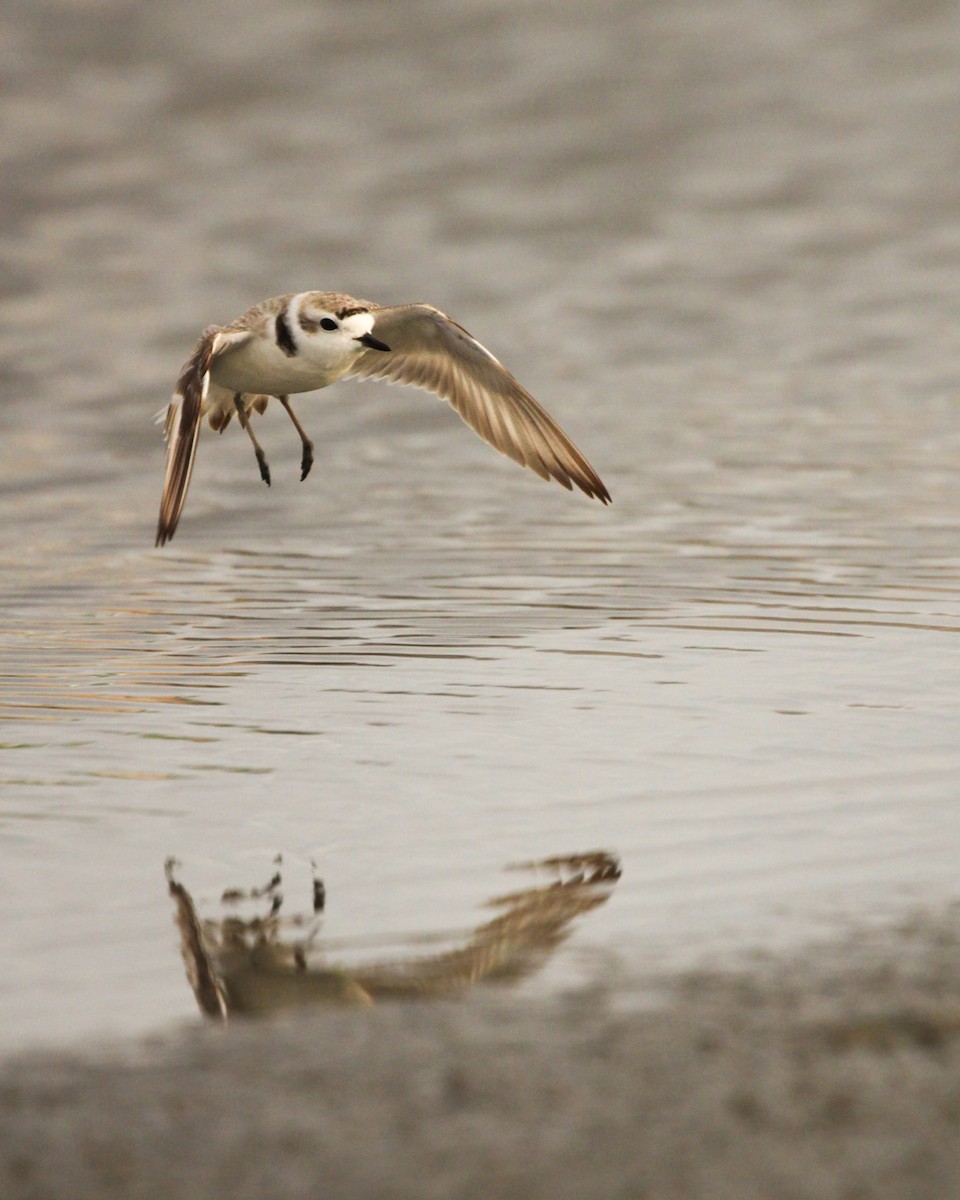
[(835, 1074)]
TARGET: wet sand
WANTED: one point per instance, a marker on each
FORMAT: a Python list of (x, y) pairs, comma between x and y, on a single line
[(830, 1075)]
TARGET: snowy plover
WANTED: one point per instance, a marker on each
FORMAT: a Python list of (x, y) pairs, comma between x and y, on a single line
[(302, 342)]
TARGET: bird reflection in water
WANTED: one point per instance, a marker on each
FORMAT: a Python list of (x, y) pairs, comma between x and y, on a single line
[(270, 962)]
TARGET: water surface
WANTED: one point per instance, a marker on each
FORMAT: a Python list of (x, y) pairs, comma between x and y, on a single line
[(719, 241)]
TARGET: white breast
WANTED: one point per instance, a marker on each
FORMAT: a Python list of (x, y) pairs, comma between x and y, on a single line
[(261, 366)]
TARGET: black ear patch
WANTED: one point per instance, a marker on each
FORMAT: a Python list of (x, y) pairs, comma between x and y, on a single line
[(284, 336)]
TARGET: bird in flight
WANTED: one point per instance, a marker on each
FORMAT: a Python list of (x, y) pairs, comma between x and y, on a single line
[(302, 342)]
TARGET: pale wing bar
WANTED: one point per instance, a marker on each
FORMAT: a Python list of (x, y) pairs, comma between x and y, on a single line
[(430, 351)]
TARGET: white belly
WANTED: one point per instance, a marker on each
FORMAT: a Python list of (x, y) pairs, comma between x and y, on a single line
[(261, 366)]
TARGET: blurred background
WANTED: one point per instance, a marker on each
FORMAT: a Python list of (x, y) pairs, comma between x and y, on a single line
[(718, 240)]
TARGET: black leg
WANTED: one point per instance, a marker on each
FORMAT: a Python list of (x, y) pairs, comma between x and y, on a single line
[(306, 462), (241, 408), (319, 890)]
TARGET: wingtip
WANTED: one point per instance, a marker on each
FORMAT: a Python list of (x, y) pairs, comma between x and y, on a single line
[(593, 487), (184, 415), (171, 505)]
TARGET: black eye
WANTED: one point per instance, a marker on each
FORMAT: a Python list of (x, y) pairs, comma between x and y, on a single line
[(326, 323)]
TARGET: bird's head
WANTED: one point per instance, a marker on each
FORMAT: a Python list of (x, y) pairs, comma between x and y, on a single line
[(335, 324)]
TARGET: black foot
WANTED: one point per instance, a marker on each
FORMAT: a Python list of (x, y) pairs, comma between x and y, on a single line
[(306, 462), (264, 468)]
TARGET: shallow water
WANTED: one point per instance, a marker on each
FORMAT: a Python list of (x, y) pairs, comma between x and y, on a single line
[(719, 241)]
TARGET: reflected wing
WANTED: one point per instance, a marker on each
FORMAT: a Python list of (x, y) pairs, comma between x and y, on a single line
[(531, 925), (430, 351), (183, 423)]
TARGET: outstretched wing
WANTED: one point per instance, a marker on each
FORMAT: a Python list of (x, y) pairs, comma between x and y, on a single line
[(183, 423), (430, 351)]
